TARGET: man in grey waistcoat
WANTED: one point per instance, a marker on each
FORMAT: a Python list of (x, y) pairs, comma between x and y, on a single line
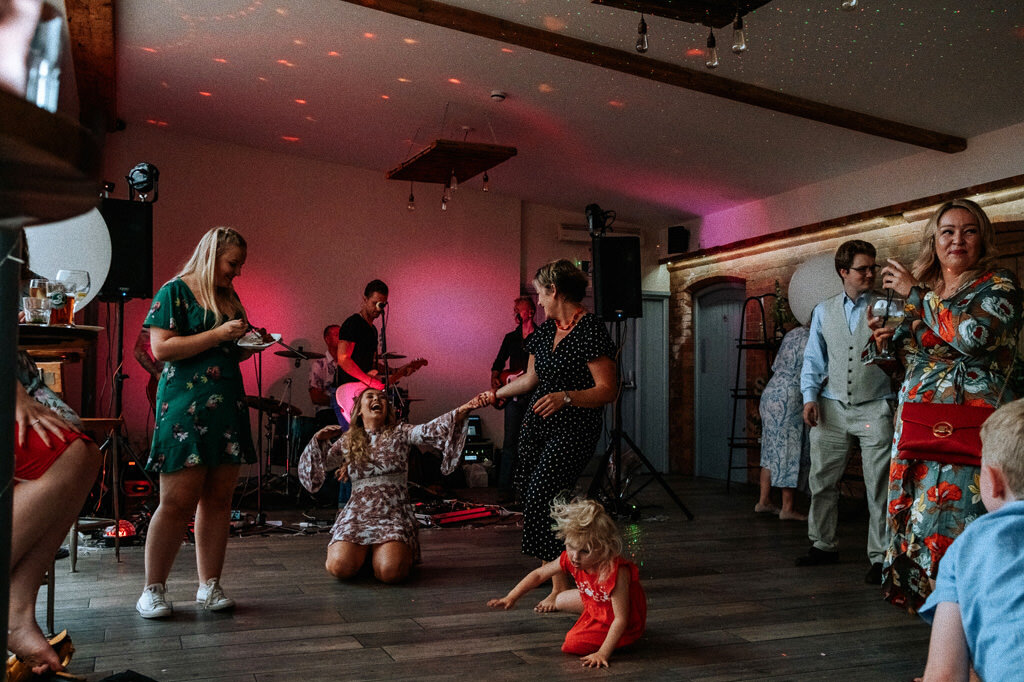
[(846, 401)]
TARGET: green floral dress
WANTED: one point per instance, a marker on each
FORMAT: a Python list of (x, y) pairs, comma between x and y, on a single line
[(201, 416)]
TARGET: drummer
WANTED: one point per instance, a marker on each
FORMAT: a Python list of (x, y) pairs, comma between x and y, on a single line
[(323, 379)]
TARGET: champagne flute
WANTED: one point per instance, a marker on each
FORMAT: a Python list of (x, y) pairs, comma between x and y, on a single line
[(889, 306), (77, 284)]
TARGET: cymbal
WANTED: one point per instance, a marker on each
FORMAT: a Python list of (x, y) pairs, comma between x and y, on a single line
[(391, 356), (272, 406), (309, 354)]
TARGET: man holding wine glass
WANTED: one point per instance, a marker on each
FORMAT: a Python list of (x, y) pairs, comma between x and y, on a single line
[(846, 402)]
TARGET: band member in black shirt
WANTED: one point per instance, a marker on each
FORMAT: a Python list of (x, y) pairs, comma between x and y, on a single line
[(510, 363)]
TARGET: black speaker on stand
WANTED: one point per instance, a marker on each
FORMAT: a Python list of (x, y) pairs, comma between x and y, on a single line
[(131, 276), (618, 296)]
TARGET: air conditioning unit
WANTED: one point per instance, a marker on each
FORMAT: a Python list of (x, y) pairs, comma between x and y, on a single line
[(578, 234)]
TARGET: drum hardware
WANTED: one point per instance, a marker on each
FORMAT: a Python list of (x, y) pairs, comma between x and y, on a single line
[(299, 355), (391, 356), (272, 406)]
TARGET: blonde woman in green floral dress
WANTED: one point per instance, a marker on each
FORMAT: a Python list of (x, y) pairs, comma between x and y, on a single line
[(201, 434), (963, 315)]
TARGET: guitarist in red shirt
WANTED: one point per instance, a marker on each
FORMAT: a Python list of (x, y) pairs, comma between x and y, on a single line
[(515, 356)]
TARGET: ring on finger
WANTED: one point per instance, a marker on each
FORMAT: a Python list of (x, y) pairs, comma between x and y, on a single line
[(34, 422)]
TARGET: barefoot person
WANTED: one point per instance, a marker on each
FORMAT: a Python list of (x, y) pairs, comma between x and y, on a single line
[(201, 435), (377, 522), (571, 366)]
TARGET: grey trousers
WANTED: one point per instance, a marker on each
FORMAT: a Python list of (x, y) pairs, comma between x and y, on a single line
[(839, 426)]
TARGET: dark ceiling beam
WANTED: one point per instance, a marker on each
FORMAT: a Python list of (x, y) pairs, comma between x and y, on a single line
[(91, 26), (486, 26)]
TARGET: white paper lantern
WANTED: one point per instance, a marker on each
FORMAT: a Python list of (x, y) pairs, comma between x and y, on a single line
[(81, 243), (813, 281)]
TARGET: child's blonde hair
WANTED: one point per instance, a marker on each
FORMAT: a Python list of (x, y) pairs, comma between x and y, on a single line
[(585, 524), (1002, 444)]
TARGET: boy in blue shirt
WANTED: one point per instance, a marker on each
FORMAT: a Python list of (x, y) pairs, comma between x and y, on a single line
[(977, 607)]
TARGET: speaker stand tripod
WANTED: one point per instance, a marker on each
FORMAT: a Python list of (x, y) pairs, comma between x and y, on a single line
[(610, 485)]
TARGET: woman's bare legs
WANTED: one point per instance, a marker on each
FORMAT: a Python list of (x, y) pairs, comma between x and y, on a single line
[(392, 561), (788, 513), (43, 511), (764, 502), (213, 520), (179, 496), (344, 559)]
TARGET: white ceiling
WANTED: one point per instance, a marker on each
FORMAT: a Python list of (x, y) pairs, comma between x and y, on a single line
[(656, 154)]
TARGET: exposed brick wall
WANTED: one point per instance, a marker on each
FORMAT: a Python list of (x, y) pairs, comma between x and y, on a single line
[(759, 266)]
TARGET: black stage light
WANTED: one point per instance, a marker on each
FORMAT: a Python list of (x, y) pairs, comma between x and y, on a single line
[(143, 179)]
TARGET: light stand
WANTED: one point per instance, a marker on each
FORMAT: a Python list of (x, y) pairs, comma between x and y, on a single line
[(618, 499), (618, 504)]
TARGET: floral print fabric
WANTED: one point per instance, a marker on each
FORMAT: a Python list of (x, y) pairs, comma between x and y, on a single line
[(380, 510), (201, 415), (956, 350), (785, 447)]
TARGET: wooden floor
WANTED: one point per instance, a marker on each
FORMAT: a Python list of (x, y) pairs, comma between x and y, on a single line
[(725, 603)]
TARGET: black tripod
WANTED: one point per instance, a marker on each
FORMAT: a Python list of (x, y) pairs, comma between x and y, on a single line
[(609, 488)]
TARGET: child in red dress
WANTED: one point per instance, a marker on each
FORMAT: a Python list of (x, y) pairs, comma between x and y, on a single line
[(608, 594)]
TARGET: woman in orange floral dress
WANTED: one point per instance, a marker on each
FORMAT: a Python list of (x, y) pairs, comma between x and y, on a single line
[(957, 344)]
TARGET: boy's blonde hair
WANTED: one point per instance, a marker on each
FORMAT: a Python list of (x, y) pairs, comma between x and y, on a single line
[(585, 524), (1002, 444)]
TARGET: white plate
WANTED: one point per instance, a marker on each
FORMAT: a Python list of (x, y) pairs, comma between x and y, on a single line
[(258, 346)]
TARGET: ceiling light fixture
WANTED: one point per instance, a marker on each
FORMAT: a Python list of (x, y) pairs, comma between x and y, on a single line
[(711, 59), (412, 200), (739, 36), (641, 36), (453, 182), (487, 183)]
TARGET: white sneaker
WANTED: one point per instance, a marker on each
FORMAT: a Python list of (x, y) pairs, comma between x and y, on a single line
[(211, 596), (153, 602)]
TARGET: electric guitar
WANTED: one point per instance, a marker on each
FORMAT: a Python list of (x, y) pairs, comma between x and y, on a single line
[(506, 377), (346, 394)]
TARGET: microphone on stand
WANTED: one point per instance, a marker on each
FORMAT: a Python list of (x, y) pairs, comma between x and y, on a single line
[(381, 305)]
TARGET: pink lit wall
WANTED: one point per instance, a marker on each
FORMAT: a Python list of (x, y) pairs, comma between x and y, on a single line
[(317, 233)]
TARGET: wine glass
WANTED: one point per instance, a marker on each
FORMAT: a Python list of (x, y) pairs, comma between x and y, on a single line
[(889, 306), (77, 284)]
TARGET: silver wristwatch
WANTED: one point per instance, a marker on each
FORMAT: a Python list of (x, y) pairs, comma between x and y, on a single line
[(566, 400)]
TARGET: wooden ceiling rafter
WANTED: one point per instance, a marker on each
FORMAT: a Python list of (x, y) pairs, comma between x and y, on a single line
[(486, 26), (440, 160), (93, 52)]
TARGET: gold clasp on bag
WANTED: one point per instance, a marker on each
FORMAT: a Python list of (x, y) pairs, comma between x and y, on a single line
[(942, 430)]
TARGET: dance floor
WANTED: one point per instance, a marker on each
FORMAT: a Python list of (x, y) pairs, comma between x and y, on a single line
[(725, 603)]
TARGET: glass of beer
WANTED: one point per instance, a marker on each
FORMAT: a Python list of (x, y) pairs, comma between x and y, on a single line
[(76, 283), (60, 305)]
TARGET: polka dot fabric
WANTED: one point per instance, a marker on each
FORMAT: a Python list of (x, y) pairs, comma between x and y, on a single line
[(553, 451)]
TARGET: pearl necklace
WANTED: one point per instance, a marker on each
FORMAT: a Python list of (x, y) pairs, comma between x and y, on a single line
[(572, 322)]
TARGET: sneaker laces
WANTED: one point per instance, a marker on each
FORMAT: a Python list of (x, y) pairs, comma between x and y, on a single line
[(214, 593)]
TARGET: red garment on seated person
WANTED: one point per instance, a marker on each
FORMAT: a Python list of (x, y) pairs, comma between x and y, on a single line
[(589, 632), (35, 458)]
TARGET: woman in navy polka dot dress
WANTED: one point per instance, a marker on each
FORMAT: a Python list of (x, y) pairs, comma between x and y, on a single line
[(572, 368)]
